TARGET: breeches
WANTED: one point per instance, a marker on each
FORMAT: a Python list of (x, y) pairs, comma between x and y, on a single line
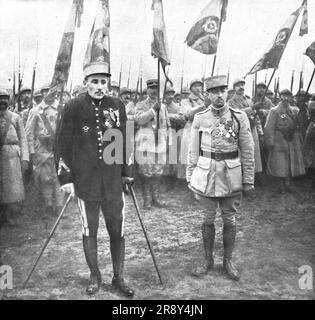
[(229, 207), (113, 212)]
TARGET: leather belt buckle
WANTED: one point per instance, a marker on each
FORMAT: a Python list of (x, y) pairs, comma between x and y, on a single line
[(217, 156)]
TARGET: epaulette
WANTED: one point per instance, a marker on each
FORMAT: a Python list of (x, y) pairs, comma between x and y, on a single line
[(236, 110), (203, 111)]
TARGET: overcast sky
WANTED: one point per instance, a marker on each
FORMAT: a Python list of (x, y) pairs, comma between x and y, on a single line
[(250, 27)]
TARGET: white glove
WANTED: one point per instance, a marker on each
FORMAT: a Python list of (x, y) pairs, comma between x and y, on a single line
[(68, 188)]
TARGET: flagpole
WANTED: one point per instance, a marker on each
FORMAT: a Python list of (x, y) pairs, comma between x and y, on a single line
[(292, 80), (219, 33), (309, 84), (158, 100)]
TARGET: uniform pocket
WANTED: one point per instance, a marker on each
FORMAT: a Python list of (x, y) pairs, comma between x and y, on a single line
[(199, 178), (234, 174)]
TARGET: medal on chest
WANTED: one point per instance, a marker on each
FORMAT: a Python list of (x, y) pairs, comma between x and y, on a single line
[(111, 118)]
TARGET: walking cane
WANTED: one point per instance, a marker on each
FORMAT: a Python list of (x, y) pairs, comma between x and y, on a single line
[(145, 232), (47, 240)]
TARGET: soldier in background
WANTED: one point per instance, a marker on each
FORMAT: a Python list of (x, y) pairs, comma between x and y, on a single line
[(40, 130), (285, 159), (25, 100), (45, 89), (177, 98), (114, 89), (125, 95), (220, 167), (185, 93), (37, 99), (189, 107), (269, 94), (303, 115), (177, 122), (241, 102), (14, 157), (309, 143), (230, 94), (150, 151)]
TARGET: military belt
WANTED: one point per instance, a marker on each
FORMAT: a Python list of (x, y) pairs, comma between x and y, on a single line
[(219, 155)]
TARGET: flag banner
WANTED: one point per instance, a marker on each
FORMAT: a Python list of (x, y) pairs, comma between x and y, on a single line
[(272, 57), (62, 66), (204, 34), (304, 23), (159, 45), (310, 52), (79, 12), (98, 45)]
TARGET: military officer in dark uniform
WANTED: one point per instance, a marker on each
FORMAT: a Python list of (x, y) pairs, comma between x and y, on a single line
[(98, 177), (220, 166)]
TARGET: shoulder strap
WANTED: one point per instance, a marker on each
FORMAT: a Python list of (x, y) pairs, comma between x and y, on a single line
[(46, 123), (236, 119), (6, 129)]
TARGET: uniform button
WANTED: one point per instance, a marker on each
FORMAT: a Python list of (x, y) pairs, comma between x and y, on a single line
[(100, 144), (97, 120), (100, 158), (98, 138), (97, 114)]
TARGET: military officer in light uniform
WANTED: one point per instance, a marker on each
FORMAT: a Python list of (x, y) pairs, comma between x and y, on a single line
[(40, 130), (152, 118), (86, 170), (220, 166)]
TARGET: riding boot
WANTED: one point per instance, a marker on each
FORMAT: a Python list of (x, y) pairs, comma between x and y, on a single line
[(90, 251), (229, 234), (147, 196), (156, 201), (117, 249), (208, 236)]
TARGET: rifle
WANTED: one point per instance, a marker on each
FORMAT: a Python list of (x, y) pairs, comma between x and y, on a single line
[(33, 78), (19, 81), (128, 81)]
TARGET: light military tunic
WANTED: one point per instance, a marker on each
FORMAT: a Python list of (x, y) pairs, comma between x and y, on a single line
[(146, 147), (223, 133), (13, 151)]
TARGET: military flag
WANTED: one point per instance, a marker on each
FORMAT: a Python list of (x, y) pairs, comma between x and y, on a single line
[(304, 23), (98, 49), (204, 34), (310, 52), (159, 45), (62, 66), (274, 52)]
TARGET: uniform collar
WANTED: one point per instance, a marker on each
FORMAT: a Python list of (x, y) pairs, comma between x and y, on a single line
[(218, 112)]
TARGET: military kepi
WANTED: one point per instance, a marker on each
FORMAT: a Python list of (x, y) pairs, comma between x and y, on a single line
[(96, 68), (216, 82), (153, 83)]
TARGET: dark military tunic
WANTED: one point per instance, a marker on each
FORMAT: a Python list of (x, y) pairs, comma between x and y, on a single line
[(81, 147)]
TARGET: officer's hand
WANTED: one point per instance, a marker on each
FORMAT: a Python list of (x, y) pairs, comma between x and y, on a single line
[(68, 188), (24, 166), (127, 182), (248, 188), (157, 106)]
